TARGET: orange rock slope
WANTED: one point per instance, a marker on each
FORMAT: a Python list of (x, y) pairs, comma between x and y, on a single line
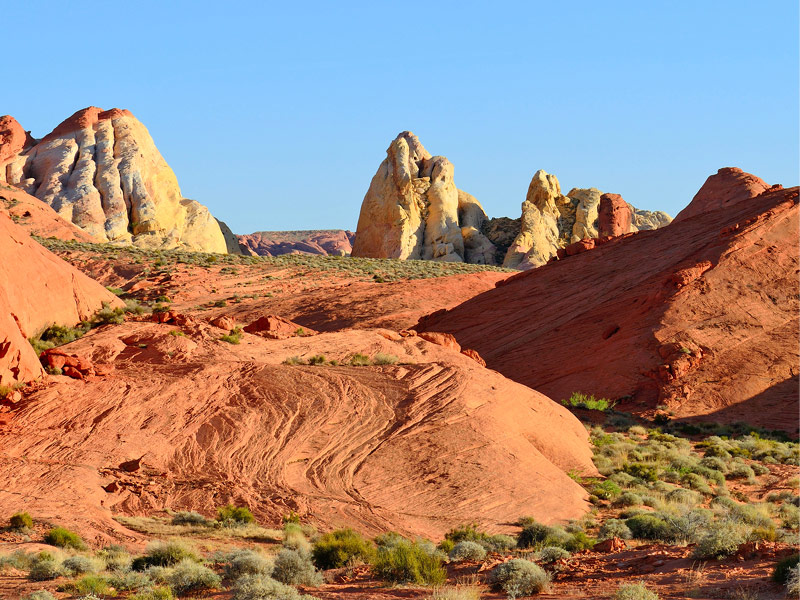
[(38, 289), (417, 447), (701, 316)]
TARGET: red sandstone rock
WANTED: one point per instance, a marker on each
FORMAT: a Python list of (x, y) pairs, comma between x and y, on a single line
[(728, 186), (613, 216), (442, 339), (474, 356), (276, 243), (12, 139), (277, 328), (223, 322), (610, 545), (578, 247), (726, 300)]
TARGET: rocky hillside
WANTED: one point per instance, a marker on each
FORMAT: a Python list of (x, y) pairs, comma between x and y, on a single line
[(102, 171), (413, 210), (336, 242), (666, 317)]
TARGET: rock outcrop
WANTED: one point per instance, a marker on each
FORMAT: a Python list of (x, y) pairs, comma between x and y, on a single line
[(412, 209), (333, 242), (101, 171), (614, 216), (701, 316), (37, 289)]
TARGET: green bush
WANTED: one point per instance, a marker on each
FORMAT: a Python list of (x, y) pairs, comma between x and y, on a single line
[(576, 542), (44, 568), (337, 548), (519, 577), (409, 562), (534, 533), (234, 336), (384, 359), (64, 538), (740, 471), (649, 527), (163, 554), (614, 528), (634, 591), (295, 568), (20, 521), (467, 550), (115, 557), (156, 593), (93, 585), (793, 582), (784, 568), (588, 401), (246, 562), (360, 360), (125, 581), (188, 577), (642, 471), (235, 514), (606, 490), (39, 595), (628, 499), (317, 359)]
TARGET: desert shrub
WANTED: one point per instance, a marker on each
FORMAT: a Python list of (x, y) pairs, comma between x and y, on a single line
[(109, 316), (360, 360), (132, 306), (684, 496), (384, 359), (784, 568), (790, 516), (246, 562), (45, 567), (19, 559), (78, 565), (634, 591), (129, 581), (641, 471), (20, 521), (759, 469), (574, 543), (714, 462), (649, 527), (467, 550), (156, 593), (588, 401), (295, 568), (519, 577), (189, 577), (793, 582), (740, 471), (235, 514), (317, 359), (606, 490), (721, 541), (91, 585), (163, 554), (498, 543), (614, 528), (39, 595), (234, 336), (293, 537), (337, 548), (533, 533), (409, 562), (637, 430), (622, 479), (64, 538), (446, 546), (550, 554), (187, 517), (628, 499), (260, 587), (116, 558), (696, 482)]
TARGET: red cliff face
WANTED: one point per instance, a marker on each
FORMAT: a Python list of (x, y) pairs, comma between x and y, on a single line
[(701, 315), (85, 118), (12, 139)]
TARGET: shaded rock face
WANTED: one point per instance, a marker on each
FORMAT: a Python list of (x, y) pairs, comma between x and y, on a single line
[(38, 289), (413, 210), (673, 314), (334, 242), (102, 171)]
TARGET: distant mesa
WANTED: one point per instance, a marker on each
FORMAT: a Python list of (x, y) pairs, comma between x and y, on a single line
[(413, 210), (333, 242), (102, 171)]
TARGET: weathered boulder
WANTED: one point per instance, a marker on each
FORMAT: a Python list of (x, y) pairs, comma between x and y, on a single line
[(102, 171), (613, 216), (277, 328)]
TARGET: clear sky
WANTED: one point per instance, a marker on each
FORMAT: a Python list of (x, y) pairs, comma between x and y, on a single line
[(276, 115)]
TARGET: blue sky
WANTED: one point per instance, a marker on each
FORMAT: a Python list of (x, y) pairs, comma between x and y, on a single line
[(277, 115)]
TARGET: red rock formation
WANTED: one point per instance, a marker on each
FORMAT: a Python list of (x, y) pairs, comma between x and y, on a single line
[(613, 216), (442, 339), (37, 218), (12, 139), (701, 315), (728, 186), (276, 243), (85, 118), (37, 289), (277, 328)]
